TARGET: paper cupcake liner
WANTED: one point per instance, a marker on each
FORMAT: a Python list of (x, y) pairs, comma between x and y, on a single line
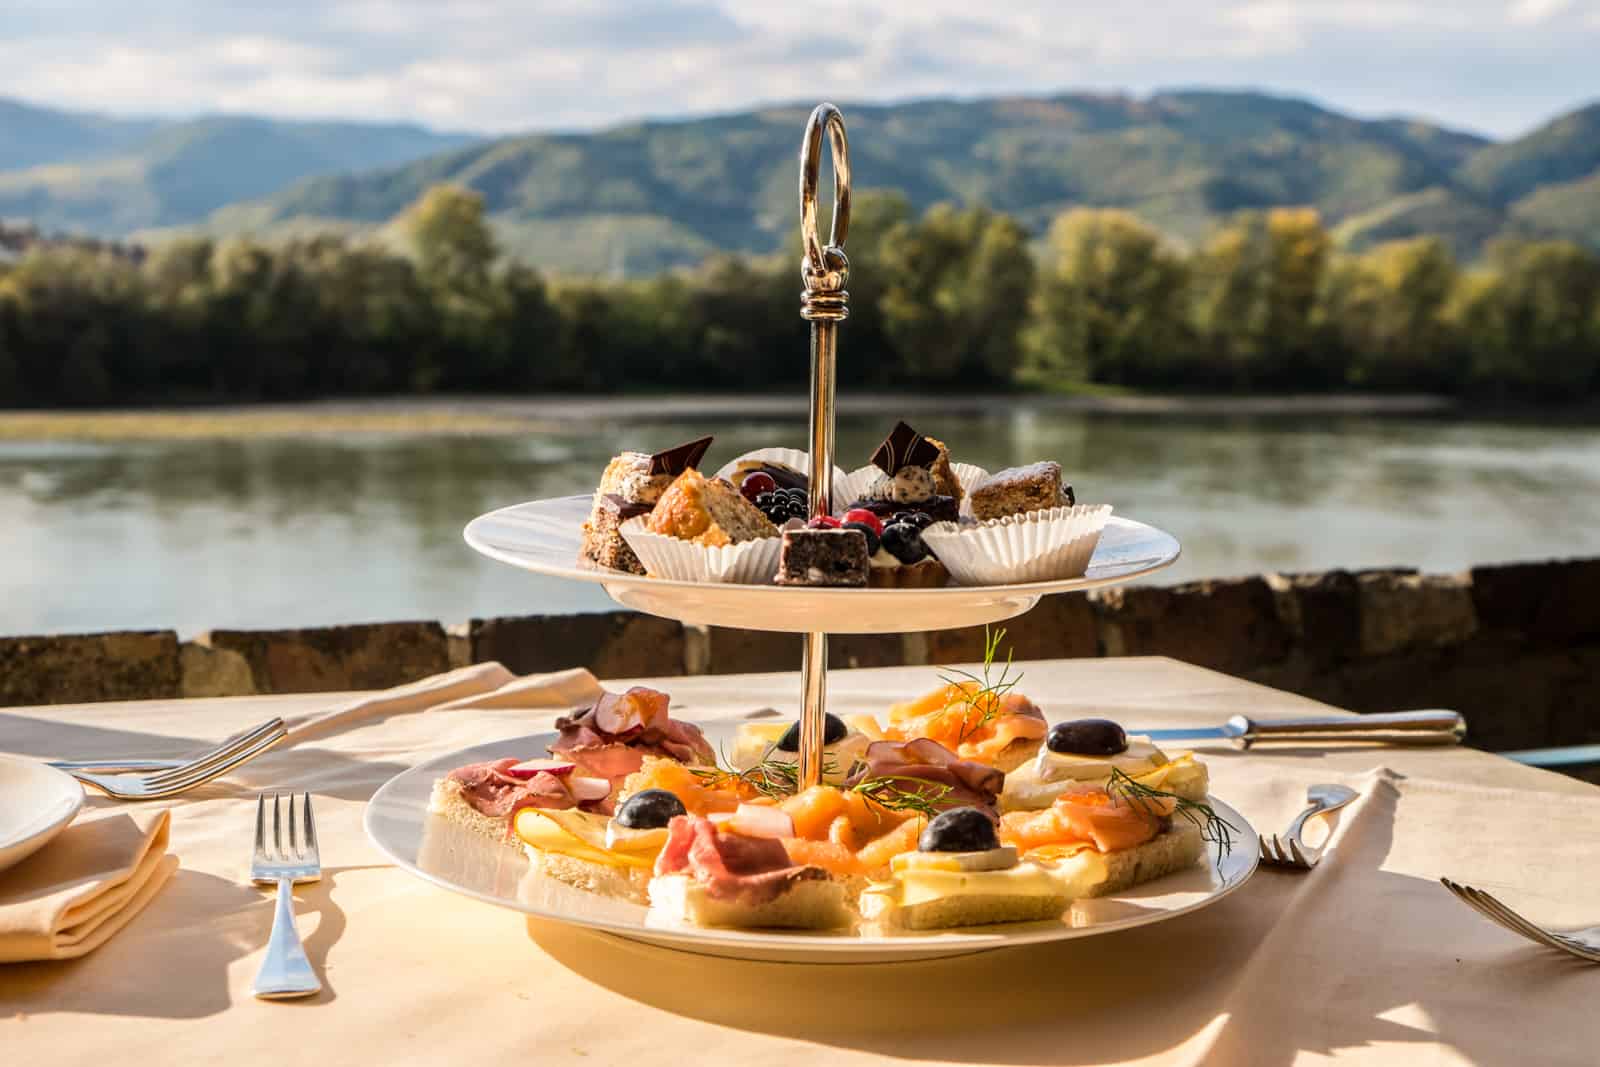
[(1036, 546), (792, 458), (746, 563), (858, 481)]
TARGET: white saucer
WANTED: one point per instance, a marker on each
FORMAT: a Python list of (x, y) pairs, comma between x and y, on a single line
[(36, 803)]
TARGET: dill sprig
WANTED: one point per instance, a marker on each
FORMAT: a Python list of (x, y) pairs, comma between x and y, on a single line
[(1213, 827), (986, 699), (884, 791), (773, 778)]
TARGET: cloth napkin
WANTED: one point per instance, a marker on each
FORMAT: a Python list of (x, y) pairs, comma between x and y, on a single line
[(70, 897), (482, 685)]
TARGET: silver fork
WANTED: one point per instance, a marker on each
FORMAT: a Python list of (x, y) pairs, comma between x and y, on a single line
[(1291, 849), (1584, 944), (285, 972), (163, 780)]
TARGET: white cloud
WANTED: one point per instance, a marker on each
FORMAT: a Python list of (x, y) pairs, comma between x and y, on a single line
[(1498, 65)]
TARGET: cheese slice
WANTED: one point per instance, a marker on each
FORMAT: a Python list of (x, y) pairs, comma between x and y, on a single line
[(579, 834), (1140, 756)]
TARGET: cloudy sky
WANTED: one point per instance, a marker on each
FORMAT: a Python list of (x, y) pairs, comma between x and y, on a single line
[(1495, 66)]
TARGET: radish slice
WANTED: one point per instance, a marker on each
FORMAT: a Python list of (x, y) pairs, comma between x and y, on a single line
[(589, 788), (528, 768)]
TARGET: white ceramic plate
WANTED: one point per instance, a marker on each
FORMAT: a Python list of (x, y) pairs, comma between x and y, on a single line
[(398, 822), (36, 803), (545, 536)]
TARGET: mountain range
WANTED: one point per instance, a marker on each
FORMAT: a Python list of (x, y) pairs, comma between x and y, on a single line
[(649, 195)]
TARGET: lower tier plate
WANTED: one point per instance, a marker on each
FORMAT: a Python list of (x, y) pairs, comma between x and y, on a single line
[(545, 536), (398, 822)]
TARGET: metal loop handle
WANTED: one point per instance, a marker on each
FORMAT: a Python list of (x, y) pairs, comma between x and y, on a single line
[(825, 267)]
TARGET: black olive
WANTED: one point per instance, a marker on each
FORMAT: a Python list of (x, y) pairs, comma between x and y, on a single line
[(959, 830), (1087, 737), (832, 733), (649, 809)]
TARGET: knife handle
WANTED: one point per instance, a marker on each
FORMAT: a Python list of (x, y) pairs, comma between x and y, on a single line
[(1391, 727)]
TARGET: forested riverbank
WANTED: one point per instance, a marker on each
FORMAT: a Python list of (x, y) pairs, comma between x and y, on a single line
[(957, 300)]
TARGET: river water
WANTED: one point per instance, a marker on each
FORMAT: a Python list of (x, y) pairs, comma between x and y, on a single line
[(328, 528)]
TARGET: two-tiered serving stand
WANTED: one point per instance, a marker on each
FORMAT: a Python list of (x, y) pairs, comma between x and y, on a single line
[(544, 536)]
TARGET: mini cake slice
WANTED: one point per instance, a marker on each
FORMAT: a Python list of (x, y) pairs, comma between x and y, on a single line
[(1016, 490), (827, 556), (629, 487), (707, 511)]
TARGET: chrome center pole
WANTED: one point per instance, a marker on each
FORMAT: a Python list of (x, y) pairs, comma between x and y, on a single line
[(823, 303)]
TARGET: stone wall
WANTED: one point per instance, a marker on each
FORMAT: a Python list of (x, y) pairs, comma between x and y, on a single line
[(1514, 647)]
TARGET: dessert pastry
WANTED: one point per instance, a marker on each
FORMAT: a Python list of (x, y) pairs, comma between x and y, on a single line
[(823, 556), (630, 487), (707, 511), (611, 739), (1086, 752), (897, 555), (484, 798), (1027, 546), (724, 877), (1102, 841), (612, 856), (961, 875), (1016, 490), (759, 742), (1002, 729), (913, 474)]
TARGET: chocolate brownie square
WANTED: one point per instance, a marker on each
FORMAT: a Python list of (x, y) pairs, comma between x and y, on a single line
[(823, 557)]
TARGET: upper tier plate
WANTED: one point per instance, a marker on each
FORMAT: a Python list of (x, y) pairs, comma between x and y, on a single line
[(544, 536)]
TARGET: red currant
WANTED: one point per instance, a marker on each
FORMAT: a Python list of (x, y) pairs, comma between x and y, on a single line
[(862, 515), (755, 483), (824, 522)]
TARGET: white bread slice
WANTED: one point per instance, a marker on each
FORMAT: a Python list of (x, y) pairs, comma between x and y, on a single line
[(449, 801), (1017, 753), (956, 910), (627, 883), (812, 904), (1174, 849)]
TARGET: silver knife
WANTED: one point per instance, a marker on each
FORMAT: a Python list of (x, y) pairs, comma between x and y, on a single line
[(1390, 727)]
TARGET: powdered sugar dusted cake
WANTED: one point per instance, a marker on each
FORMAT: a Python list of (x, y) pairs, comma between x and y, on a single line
[(1021, 489)]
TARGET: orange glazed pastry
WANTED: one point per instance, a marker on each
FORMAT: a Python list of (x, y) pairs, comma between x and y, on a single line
[(707, 511)]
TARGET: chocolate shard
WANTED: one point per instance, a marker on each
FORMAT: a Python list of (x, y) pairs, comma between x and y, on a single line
[(679, 458), (904, 447)]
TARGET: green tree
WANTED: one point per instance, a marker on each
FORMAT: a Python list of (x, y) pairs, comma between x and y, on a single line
[(956, 293), (1110, 304), (1384, 311)]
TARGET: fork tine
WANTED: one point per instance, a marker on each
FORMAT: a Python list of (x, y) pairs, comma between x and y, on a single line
[(1492, 907), (191, 776), (1460, 893), (261, 826), (232, 745), (277, 827), (1299, 857), (294, 836), (311, 833)]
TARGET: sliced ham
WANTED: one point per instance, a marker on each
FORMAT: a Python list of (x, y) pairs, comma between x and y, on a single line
[(755, 869), (612, 738), (491, 791), (966, 783)]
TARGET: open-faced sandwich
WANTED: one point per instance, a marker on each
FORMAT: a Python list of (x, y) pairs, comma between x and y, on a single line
[(630, 486), (986, 723), (961, 875), (1086, 752), (761, 742), (739, 874), (612, 855), (598, 747)]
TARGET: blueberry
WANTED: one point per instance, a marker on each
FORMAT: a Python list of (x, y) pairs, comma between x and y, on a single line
[(764, 500), (832, 733), (903, 541), (649, 809), (959, 830), (920, 519), (1087, 737), (872, 535)]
